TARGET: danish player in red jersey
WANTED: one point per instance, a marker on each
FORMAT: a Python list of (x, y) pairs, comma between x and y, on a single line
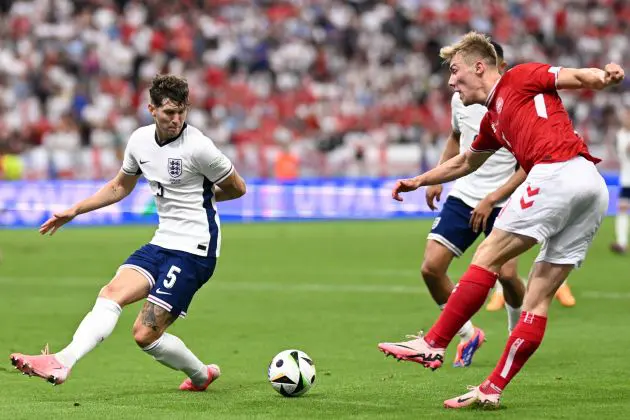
[(560, 205)]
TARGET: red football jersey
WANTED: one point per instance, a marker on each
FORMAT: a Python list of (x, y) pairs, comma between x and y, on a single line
[(526, 116)]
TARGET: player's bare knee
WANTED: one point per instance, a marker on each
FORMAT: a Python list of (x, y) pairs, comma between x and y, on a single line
[(110, 291), (432, 273), (125, 289), (487, 257), (117, 293), (150, 324), (145, 336)]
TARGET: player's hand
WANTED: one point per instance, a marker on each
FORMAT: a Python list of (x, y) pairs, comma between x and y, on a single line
[(405, 185), (614, 74), (434, 192), (56, 221), (480, 214)]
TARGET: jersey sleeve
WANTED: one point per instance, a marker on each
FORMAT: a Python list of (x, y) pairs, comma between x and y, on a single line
[(130, 164), (454, 123), (486, 141), (212, 164), (536, 77)]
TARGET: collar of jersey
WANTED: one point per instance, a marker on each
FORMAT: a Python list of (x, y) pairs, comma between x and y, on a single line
[(172, 139), (491, 95)]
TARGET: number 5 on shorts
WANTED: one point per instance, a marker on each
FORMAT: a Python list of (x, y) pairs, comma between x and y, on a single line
[(171, 277)]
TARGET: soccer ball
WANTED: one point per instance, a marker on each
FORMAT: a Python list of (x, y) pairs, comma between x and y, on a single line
[(291, 373)]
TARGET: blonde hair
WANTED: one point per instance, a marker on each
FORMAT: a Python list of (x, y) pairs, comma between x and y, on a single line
[(472, 46)]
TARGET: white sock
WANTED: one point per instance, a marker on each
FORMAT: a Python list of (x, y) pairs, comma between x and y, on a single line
[(172, 352), (467, 331), (621, 229), (498, 287), (97, 325), (513, 314)]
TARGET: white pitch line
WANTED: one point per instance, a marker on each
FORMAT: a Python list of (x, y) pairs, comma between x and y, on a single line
[(590, 294), (227, 285), (368, 288), (361, 403), (318, 287)]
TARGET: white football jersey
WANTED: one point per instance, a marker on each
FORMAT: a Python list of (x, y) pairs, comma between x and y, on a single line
[(495, 172), (623, 143), (181, 174)]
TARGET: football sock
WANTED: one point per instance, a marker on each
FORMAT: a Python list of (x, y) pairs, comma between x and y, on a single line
[(97, 325), (621, 229), (498, 287), (466, 299), (513, 315), (523, 342), (172, 352), (467, 331)]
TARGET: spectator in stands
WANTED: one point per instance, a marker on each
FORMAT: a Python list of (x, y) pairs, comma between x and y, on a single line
[(340, 69)]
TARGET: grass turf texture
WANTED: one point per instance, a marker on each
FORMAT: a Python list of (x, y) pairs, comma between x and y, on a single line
[(333, 290)]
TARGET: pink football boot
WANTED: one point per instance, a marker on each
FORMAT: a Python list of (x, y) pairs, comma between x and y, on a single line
[(45, 366), (475, 397), (415, 350), (213, 374)]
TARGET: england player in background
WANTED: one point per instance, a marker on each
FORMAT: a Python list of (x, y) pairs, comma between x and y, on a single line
[(620, 246), (470, 209), (188, 175), (560, 205)]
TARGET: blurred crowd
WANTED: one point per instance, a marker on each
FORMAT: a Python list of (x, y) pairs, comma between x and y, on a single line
[(285, 87)]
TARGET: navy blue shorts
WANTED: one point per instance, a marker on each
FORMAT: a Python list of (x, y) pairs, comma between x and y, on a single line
[(451, 228), (624, 192), (174, 276)]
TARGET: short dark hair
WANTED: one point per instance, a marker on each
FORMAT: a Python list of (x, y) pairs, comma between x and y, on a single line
[(498, 48), (168, 86)]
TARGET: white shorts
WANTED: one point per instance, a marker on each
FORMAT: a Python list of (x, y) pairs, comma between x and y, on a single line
[(561, 205)]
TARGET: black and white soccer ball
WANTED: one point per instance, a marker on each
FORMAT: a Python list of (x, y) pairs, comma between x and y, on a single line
[(292, 373)]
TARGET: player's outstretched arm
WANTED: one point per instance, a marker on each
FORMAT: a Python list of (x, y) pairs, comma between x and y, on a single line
[(112, 192), (451, 149), (455, 168), (232, 188), (481, 213), (590, 78)]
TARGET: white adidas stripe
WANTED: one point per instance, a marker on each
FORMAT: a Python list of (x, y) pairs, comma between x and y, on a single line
[(510, 359)]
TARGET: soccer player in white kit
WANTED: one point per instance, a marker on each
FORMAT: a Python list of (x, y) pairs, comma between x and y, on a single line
[(187, 175), (470, 209), (620, 246), (560, 205)]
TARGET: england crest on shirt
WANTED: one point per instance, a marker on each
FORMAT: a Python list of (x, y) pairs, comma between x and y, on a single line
[(174, 167)]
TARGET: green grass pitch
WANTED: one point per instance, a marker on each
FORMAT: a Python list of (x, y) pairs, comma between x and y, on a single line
[(333, 290)]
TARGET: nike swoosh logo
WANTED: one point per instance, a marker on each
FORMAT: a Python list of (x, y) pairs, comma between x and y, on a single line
[(159, 292), (146, 161), (461, 400)]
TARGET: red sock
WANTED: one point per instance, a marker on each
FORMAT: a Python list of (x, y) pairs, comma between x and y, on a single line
[(523, 342), (467, 298)]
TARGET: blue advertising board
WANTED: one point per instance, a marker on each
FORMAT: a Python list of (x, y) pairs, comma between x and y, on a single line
[(24, 203)]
